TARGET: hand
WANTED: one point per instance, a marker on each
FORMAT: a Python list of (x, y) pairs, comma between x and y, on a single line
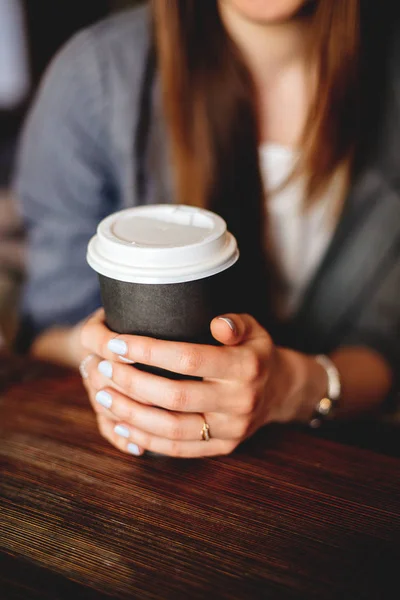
[(246, 383)]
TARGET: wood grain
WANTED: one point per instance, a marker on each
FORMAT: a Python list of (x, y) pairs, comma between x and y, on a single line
[(289, 515)]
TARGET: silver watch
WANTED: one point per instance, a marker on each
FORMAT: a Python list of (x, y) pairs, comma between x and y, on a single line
[(326, 406)]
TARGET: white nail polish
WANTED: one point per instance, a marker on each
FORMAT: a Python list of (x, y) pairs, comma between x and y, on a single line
[(229, 322), (118, 347), (83, 366), (133, 449), (105, 368), (122, 431), (104, 399), (127, 361)]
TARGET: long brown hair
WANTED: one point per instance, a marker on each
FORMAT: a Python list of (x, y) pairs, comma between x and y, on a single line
[(210, 103)]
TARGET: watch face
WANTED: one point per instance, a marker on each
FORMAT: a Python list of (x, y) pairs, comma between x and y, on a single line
[(325, 406)]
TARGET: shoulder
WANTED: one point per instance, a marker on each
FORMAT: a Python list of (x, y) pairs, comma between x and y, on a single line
[(85, 108), (92, 77), (123, 38), (128, 26)]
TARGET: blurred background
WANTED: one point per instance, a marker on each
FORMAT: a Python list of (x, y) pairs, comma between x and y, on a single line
[(31, 32)]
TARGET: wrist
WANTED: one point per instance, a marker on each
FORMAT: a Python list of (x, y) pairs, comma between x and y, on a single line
[(75, 351), (59, 345), (307, 384)]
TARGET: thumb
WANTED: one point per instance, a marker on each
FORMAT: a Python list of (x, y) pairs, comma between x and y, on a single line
[(232, 329)]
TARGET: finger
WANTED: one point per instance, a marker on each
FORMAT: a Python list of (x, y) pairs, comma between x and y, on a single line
[(173, 448), (94, 381), (85, 365), (174, 395), (167, 424), (92, 391), (106, 428), (100, 408), (150, 419), (197, 360), (98, 316), (233, 329), (94, 332)]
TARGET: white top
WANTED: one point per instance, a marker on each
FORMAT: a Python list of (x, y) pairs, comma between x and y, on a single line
[(299, 236), (162, 243)]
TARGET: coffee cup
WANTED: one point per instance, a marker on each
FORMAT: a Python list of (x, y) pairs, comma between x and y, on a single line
[(165, 271)]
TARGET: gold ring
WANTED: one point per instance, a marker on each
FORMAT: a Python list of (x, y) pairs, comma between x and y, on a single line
[(205, 432), (84, 364)]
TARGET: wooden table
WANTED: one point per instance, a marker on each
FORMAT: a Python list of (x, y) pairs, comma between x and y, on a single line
[(289, 515)]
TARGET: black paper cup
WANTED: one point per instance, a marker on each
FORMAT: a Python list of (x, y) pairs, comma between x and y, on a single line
[(165, 271)]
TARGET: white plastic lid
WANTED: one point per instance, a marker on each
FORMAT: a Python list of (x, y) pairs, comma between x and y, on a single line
[(162, 243)]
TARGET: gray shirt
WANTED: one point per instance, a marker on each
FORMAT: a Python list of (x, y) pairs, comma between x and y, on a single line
[(95, 143), (77, 163)]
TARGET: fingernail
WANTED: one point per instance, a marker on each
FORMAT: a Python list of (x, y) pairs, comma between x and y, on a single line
[(118, 347), (122, 431), (128, 361), (133, 449), (229, 322), (104, 398), (105, 368)]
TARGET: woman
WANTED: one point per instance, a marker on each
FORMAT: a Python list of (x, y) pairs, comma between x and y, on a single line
[(262, 112)]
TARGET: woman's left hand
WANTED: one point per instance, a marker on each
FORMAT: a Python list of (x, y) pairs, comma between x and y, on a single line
[(246, 383)]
